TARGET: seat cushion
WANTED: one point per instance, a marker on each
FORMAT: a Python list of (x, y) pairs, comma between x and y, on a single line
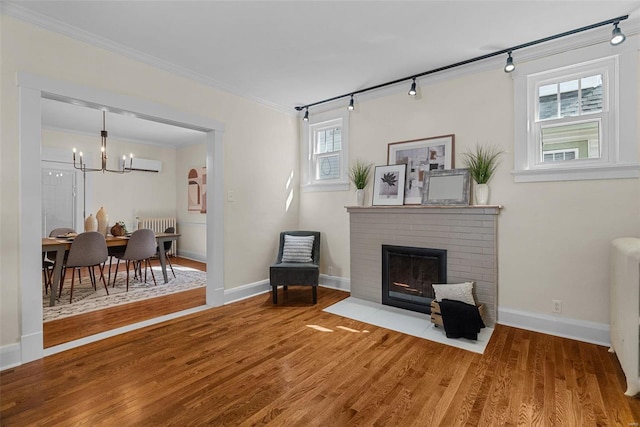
[(297, 248)]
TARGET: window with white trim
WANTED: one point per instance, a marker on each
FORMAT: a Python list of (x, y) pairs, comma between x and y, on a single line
[(570, 119), (571, 112), (326, 155)]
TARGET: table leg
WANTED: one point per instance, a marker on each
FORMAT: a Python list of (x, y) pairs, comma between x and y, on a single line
[(163, 261), (57, 273)]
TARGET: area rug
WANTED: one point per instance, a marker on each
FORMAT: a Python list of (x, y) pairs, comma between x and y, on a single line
[(405, 321), (86, 299)]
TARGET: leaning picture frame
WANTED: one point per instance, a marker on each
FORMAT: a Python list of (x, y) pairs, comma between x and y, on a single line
[(447, 187), (420, 156), (388, 185)]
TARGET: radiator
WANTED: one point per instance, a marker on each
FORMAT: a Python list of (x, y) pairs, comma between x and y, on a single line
[(158, 225), (625, 308)]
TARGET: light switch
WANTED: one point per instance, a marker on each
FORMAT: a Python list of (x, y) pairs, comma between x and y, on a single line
[(231, 196)]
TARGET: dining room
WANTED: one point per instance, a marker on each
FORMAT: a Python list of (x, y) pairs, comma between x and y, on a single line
[(78, 188)]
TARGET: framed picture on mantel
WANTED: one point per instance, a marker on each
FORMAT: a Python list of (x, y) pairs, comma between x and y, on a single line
[(388, 185), (421, 156)]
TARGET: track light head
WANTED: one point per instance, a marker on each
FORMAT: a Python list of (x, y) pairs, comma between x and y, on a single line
[(617, 37), (306, 115), (351, 106), (509, 66), (412, 91)]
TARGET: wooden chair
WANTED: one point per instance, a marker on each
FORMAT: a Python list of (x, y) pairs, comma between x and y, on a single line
[(87, 250), (141, 247), (287, 271)]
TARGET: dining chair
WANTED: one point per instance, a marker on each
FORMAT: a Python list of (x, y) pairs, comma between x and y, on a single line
[(51, 256), (89, 250), (142, 246), (167, 248)]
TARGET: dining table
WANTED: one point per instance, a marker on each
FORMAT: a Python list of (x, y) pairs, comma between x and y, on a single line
[(61, 244)]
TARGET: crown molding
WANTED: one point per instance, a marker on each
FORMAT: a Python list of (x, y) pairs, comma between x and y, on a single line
[(17, 11)]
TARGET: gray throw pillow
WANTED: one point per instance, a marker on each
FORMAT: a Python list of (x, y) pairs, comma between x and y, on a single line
[(297, 248)]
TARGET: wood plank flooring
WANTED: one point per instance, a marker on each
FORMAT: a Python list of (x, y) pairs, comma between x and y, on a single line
[(83, 325), (253, 363)]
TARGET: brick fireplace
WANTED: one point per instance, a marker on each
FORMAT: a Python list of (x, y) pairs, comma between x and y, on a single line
[(468, 234)]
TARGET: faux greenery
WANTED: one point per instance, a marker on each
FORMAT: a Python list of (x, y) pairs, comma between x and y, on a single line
[(359, 173), (482, 162)]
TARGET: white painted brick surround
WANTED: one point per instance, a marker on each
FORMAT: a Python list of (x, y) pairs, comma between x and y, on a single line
[(469, 234)]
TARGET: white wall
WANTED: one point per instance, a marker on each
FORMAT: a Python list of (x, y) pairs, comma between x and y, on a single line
[(553, 237), (191, 225), (123, 196), (256, 139)]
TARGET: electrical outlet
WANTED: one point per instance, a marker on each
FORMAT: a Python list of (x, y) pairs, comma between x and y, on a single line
[(556, 305), (330, 271)]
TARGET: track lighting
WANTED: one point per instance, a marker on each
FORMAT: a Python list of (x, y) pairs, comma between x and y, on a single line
[(617, 36), (509, 67), (412, 91)]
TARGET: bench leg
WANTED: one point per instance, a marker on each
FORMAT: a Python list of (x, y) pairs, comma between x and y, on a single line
[(274, 293), (315, 294)]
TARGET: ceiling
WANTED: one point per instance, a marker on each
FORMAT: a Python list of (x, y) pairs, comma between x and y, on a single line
[(289, 53)]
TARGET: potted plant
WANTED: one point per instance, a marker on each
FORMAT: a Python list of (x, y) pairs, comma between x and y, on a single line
[(482, 163), (359, 174)]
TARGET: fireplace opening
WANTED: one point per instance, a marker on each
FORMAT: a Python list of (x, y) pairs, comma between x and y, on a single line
[(407, 276)]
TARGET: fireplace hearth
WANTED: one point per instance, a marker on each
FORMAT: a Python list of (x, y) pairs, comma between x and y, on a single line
[(408, 273)]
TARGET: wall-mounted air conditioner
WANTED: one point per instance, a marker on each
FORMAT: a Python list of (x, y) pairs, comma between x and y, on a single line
[(144, 165)]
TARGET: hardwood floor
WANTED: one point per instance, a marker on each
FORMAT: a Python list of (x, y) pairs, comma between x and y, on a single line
[(253, 363), (83, 325)]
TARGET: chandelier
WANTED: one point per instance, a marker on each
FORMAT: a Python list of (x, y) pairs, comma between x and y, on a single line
[(103, 156)]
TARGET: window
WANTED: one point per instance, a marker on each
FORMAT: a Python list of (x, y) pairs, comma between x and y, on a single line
[(570, 120), (571, 116), (325, 153)]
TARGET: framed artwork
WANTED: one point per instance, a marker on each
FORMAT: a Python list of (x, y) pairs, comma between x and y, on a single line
[(421, 156), (388, 185), (447, 187), (197, 190)]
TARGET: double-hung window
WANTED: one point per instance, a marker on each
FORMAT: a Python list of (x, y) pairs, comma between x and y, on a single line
[(572, 118), (325, 149)]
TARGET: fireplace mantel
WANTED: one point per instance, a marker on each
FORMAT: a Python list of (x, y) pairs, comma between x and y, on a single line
[(468, 233), (482, 209)]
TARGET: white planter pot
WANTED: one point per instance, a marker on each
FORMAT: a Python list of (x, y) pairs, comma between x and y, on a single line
[(360, 197), (481, 194)]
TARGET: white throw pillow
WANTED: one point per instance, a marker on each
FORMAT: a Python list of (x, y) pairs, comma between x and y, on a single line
[(458, 292), (297, 248)]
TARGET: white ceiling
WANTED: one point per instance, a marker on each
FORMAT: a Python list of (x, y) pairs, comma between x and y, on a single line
[(288, 53)]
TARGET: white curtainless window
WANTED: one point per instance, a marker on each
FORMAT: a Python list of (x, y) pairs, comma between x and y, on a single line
[(325, 153), (571, 117)]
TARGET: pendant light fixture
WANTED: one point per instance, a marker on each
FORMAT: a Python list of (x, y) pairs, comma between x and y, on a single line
[(351, 106), (306, 115), (103, 156)]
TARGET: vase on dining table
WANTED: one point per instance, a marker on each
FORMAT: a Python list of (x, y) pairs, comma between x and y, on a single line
[(103, 221), (91, 223)]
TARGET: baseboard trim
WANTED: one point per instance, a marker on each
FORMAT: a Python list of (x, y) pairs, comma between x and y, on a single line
[(240, 293), (194, 256), (581, 330), (335, 282), (10, 356)]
